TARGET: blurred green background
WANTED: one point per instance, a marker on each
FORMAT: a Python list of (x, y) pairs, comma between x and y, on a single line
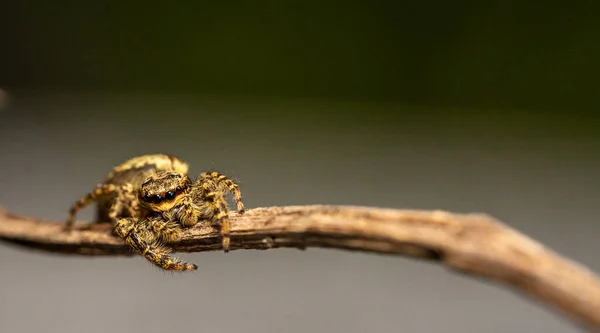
[(480, 106), (535, 55)]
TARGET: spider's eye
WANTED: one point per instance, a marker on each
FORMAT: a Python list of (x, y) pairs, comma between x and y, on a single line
[(157, 198), (148, 198), (178, 189), (170, 195)]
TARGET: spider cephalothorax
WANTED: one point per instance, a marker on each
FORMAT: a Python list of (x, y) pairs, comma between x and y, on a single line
[(164, 190), (150, 199)]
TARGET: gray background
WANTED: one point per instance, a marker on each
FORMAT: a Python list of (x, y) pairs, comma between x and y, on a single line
[(55, 147), (487, 106)]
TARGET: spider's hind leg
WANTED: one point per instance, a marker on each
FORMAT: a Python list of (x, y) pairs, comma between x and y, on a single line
[(122, 197), (100, 191), (123, 200)]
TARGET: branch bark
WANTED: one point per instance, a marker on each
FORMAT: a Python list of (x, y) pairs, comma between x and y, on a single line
[(474, 244)]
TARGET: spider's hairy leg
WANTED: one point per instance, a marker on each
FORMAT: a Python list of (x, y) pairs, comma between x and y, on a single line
[(144, 242), (125, 198), (100, 190), (187, 213), (224, 184), (167, 231), (214, 209)]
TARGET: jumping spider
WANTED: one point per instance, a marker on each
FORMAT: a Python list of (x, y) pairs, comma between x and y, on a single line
[(150, 199)]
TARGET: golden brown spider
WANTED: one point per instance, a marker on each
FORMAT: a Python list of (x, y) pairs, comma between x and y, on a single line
[(150, 198)]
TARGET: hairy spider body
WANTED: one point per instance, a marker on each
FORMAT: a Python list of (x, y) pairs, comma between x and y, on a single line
[(150, 199), (115, 196)]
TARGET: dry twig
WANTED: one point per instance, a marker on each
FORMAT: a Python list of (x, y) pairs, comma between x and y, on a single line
[(474, 244)]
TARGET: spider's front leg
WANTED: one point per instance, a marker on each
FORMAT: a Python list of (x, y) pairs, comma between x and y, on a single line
[(165, 229), (187, 213), (213, 207), (224, 184), (141, 237)]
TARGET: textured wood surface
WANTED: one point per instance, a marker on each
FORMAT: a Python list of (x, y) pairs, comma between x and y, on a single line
[(475, 244)]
